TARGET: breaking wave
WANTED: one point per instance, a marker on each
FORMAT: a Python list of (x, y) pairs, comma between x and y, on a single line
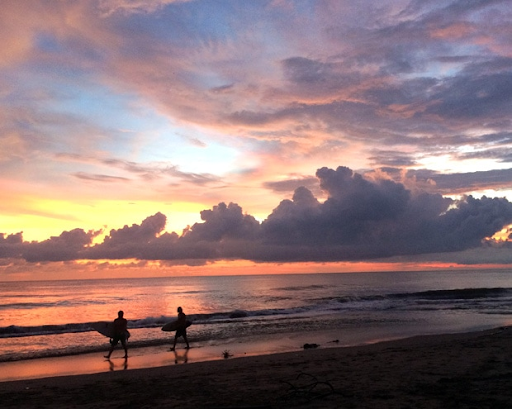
[(434, 299)]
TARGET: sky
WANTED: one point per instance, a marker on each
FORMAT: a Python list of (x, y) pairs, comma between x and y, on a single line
[(242, 137)]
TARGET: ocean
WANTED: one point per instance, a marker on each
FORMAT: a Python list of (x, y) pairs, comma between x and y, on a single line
[(54, 318)]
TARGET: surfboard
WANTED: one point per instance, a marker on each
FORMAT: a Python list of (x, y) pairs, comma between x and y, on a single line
[(173, 326), (106, 328)]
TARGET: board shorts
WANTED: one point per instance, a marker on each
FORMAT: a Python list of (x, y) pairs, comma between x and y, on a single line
[(181, 332), (119, 337)]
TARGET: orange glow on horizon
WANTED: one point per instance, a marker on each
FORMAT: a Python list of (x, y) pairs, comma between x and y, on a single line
[(109, 269)]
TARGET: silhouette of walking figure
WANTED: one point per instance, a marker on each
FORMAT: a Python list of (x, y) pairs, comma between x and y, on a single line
[(181, 330), (120, 334)]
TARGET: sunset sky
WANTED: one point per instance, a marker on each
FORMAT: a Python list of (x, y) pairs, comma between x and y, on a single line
[(224, 137)]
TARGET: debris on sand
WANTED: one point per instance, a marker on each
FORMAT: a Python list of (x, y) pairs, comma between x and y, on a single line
[(310, 346)]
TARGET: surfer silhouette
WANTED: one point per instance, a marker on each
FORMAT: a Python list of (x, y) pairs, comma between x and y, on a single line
[(120, 334), (181, 330)]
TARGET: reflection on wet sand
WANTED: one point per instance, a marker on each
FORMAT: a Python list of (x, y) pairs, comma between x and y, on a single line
[(183, 357), (123, 366)]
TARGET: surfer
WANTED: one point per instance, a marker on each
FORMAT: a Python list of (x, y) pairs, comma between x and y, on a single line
[(120, 334), (181, 330)]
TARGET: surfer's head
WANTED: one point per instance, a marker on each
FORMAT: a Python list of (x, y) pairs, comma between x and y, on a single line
[(180, 309), (120, 314)]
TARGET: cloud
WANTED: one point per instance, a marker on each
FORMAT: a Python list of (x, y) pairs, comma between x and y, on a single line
[(467, 97), (109, 7), (65, 247), (137, 241), (265, 94), (361, 219), (457, 183), (100, 178), (11, 245), (392, 158), (291, 184), (144, 172), (223, 222)]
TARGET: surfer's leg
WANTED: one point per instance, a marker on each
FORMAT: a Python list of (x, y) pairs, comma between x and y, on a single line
[(113, 344), (123, 342), (174, 343)]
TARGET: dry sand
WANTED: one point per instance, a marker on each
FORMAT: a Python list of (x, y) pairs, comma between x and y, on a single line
[(444, 371)]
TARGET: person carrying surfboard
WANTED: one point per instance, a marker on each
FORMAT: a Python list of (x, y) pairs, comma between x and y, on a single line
[(120, 334), (181, 330)]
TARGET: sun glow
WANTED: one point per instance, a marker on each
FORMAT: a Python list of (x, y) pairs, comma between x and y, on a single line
[(503, 234), (43, 218)]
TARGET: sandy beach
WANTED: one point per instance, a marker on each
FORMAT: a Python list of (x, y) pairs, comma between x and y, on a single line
[(472, 370)]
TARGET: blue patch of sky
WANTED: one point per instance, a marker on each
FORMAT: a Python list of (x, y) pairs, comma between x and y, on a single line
[(184, 22), (433, 65), (121, 125), (175, 146), (71, 105), (47, 42), (134, 131), (145, 136), (92, 104), (75, 49), (434, 69)]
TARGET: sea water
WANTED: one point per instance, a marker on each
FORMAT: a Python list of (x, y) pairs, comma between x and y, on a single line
[(54, 318)]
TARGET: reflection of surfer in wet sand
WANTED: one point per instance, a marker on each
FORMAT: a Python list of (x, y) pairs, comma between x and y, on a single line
[(181, 330), (120, 334), (112, 367), (183, 358)]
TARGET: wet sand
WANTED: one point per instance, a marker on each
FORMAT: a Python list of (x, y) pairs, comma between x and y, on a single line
[(472, 370)]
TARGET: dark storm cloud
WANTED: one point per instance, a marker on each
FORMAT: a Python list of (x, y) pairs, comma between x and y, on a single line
[(11, 245), (224, 222), (361, 219), (11, 238), (67, 246), (136, 241), (291, 184)]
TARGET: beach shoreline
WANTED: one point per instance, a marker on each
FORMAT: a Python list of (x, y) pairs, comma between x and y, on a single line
[(463, 370), (161, 355)]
